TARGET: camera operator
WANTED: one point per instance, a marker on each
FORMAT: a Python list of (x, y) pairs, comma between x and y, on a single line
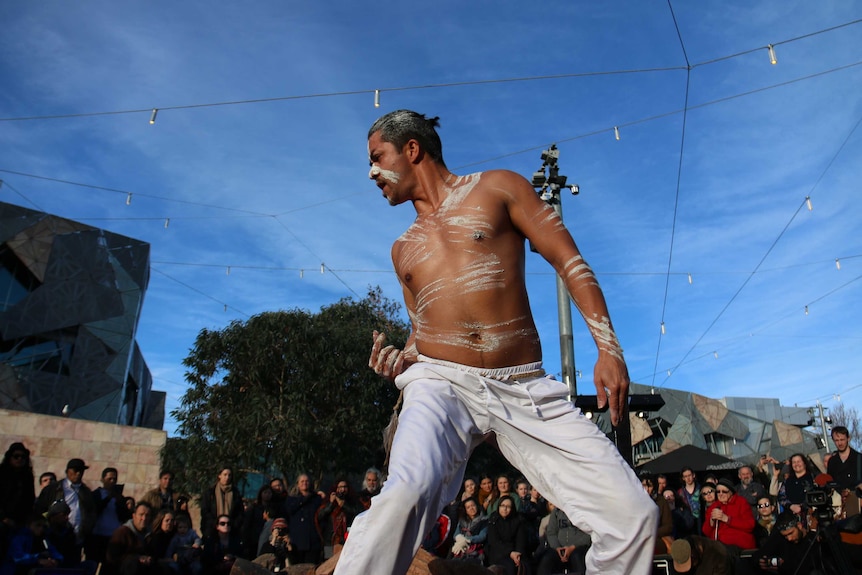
[(791, 547), (278, 545)]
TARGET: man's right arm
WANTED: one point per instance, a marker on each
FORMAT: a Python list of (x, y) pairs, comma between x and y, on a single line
[(389, 361)]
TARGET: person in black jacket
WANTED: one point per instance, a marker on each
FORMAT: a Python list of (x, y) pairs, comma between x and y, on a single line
[(301, 510), (223, 498), (506, 546)]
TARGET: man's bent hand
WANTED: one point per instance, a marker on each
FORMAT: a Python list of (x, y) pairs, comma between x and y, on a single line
[(385, 361), (611, 378)]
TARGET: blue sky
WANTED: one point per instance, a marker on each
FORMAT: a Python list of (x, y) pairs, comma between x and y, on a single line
[(272, 187)]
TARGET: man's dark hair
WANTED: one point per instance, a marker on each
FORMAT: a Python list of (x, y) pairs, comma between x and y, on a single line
[(401, 126), (108, 470), (50, 474), (840, 429), (164, 472), (786, 520)]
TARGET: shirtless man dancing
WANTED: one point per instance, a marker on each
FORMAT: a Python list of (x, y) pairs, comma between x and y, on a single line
[(472, 363)]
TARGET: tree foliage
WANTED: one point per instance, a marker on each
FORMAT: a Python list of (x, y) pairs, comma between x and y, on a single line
[(849, 418), (284, 392)]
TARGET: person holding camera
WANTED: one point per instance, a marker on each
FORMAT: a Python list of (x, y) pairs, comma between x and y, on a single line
[(791, 547), (335, 517)]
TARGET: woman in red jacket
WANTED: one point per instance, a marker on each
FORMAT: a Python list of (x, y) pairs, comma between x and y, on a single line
[(729, 519)]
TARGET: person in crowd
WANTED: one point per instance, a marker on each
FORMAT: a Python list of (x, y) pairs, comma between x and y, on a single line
[(765, 518), (279, 491), (486, 491), (529, 510), (271, 514), (664, 527), (567, 544), (468, 489), (185, 547), (506, 545), (301, 510), (707, 498), (77, 496), (683, 521), (503, 489), (46, 479), (61, 534), (660, 483), (845, 465), (158, 540), (697, 555), (162, 496), (370, 486), (791, 547), (223, 498), (16, 487), (335, 516), (690, 492), (29, 549), (729, 519), (799, 481), (126, 554), (748, 488), (254, 521), (470, 532), (111, 513), (221, 547), (130, 504), (275, 550)]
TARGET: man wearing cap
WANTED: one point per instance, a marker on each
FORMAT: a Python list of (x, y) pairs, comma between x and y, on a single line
[(696, 554), (729, 519), (79, 498)]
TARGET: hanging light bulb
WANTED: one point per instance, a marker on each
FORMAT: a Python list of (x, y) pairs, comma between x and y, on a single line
[(225, 307), (668, 373), (715, 354), (806, 310), (837, 264), (129, 199), (376, 98), (227, 271), (772, 59), (301, 274), (616, 132), (690, 280), (808, 203), (153, 116), (167, 222), (322, 268), (662, 328)]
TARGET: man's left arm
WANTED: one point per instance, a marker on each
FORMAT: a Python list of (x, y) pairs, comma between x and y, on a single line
[(540, 224)]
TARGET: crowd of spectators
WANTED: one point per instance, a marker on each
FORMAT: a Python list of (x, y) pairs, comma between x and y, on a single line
[(750, 520)]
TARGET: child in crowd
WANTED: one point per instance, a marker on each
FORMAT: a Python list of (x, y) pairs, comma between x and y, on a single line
[(185, 547)]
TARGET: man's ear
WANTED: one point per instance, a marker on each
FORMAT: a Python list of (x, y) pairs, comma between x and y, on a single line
[(413, 151)]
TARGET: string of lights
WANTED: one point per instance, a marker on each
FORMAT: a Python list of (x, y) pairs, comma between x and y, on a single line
[(376, 92)]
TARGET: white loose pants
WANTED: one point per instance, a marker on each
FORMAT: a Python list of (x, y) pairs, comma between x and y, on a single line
[(445, 415)]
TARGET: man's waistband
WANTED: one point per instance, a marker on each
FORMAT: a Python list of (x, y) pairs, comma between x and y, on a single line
[(516, 372)]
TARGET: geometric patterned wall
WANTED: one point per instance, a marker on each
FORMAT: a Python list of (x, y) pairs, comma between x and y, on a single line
[(70, 299)]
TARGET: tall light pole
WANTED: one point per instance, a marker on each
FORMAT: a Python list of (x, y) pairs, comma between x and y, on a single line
[(548, 182)]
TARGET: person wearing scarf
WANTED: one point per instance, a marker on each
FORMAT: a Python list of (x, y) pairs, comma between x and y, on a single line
[(223, 498)]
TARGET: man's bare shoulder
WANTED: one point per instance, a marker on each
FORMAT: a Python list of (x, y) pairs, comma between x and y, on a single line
[(510, 184)]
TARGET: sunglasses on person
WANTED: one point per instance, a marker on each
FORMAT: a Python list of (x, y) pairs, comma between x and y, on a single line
[(764, 505), (707, 492), (722, 491), (223, 523)]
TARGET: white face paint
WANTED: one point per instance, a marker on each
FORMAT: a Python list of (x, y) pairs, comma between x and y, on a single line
[(388, 175)]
